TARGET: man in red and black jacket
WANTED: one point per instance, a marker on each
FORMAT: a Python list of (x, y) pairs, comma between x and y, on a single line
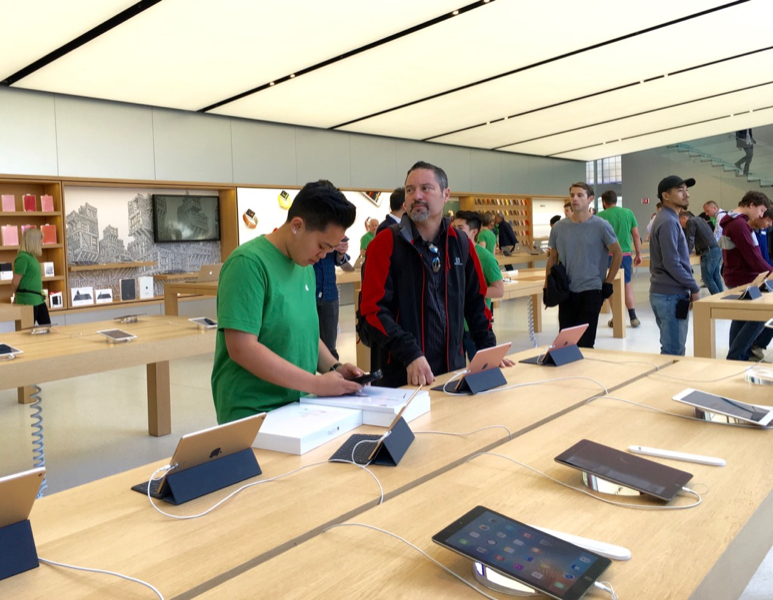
[(421, 280)]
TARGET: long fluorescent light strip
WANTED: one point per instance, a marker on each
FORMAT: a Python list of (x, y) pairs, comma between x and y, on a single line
[(541, 63), (631, 116), (615, 89), (345, 55), (81, 40), (638, 135)]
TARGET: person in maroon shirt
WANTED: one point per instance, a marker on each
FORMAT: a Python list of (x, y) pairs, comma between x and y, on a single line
[(743, 262)]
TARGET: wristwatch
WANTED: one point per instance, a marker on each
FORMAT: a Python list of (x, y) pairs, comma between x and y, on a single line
[(335, 366), (250, 219)]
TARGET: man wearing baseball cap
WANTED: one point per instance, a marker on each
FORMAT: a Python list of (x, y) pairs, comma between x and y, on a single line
[(672, 285)]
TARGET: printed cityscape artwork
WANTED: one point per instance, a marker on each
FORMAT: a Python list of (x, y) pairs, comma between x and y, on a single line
[(111, 226)]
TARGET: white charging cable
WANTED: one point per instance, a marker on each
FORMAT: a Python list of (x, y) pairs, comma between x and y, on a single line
[(249, 485), (397, 537), (103, 572), (673, 414), (587, 493), (509, 433), (607, 587)]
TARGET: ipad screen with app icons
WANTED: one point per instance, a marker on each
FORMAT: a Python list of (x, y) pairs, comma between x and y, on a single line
[(546, 563)]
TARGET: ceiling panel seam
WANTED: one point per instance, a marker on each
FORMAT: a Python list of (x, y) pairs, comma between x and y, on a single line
[(81, 40), (349, 54), (542, 63)]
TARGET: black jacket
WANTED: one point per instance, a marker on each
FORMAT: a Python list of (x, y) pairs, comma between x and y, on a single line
[(391, 313)]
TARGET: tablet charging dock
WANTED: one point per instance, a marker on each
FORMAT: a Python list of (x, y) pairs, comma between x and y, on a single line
[(500, 583), (712, 417), (604, 486)]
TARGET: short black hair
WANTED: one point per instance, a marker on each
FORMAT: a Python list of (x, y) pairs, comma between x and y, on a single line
[(754, 199), (555, 219), (319, 204), (609, 197), (473, 218), (440, 174), (397, 199)]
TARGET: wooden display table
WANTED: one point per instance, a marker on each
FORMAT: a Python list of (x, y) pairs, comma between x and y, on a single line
[(105, 525), (521, 258), (173, 289), (77, 350), (710, 551), (22, 315), (706, 310)]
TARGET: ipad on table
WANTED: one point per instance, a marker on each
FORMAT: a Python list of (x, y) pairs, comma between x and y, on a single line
[(543, 562), (206, 445), (646, 476), (757, 415), (17, 495), (116, 335), (7, 351), (488, 358)]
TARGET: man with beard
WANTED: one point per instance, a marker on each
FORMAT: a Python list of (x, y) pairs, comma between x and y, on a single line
[(421, 281)]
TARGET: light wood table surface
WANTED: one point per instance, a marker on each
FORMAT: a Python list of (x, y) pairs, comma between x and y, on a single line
[(521, 258), (706, 310), (22, 315), (704, 553), (105, 525), (173, 290), (76, 350)]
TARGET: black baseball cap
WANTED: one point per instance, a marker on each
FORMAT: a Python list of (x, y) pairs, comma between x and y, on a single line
[(673, 181)]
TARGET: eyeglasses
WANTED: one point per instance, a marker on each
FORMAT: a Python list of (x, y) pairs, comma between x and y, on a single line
[(435, 258)]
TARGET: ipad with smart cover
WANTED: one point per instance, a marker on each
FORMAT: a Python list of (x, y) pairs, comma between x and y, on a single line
[(206, 445), (742, 411), (646, 476), (548, 564), (17, 495), (487, 358)]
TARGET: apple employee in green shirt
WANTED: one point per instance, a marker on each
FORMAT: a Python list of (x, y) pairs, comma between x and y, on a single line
[(469, 222), (268, 347)]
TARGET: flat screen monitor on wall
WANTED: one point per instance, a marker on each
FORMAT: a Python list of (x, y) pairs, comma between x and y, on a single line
[(185, 218)]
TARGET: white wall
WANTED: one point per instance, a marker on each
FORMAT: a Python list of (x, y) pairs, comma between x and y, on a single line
[(642, 171), (45, 134)]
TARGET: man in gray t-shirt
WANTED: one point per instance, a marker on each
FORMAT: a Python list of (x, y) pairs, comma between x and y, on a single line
[(583, 243)]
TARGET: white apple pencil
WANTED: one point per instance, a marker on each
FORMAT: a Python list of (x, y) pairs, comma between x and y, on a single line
[(694, 458)]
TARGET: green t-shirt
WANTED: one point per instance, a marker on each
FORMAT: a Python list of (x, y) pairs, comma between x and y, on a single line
[(263, 292), (490, 267), (487, 238), (28, 267), (622, 221), (366, 239)]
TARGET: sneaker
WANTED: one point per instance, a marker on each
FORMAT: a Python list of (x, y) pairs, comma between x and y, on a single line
[(757, 352), (610, 323), (635, 322)]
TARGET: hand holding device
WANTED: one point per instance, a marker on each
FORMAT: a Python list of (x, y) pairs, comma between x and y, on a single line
[(334, 384), (367, 377)]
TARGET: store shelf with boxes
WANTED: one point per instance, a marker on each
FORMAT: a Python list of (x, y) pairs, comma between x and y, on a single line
[(28, 202)]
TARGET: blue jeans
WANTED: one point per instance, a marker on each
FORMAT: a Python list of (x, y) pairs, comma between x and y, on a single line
[(742, 336), (710, 263), (673, 331)]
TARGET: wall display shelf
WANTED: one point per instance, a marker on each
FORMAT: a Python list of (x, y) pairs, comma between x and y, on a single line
[(517, 209), (109, 266), (20, 187)]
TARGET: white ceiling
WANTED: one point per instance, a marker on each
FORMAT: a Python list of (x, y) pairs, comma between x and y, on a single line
[(557, 69)]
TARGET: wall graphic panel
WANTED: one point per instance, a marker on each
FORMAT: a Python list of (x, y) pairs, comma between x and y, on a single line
[(115, 225)]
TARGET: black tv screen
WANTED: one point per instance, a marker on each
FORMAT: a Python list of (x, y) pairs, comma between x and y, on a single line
[(185, 218)]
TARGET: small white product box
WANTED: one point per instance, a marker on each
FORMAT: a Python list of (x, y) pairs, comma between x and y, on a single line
[(298, 428), (379, 405)]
